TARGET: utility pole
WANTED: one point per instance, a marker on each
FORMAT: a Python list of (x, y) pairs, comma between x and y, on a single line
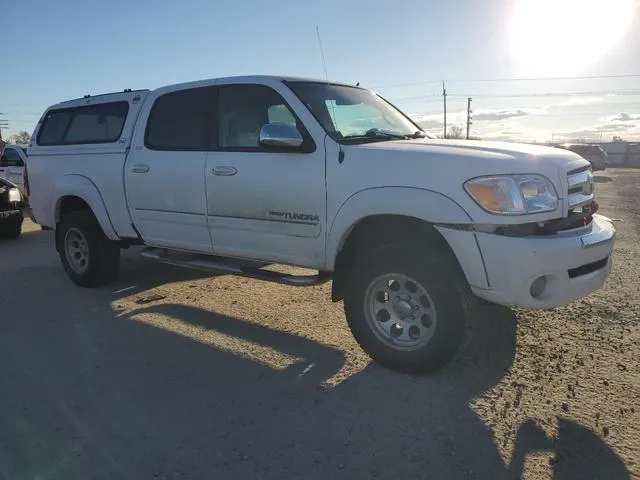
[(4, 124), (444, 97), (468, 116)]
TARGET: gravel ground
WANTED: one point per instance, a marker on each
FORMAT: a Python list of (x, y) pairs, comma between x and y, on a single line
[(170, 374)]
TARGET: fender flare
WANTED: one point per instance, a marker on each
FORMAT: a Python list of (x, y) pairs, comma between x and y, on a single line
[(75, 185), (427, 205)]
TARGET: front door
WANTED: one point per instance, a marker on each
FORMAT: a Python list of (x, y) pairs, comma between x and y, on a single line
[(165, 170), (261, 203)]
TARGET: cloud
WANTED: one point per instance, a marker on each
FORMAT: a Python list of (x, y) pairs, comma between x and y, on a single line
[(579, 101), (624, 117), (499, 114), (614, 127), (430, 124)]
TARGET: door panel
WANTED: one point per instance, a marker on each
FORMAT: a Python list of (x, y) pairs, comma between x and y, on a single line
[(272, 207), (165, 171)]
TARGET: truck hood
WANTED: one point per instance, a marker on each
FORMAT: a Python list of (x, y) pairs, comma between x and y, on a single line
[(443, 166), (518, 155)]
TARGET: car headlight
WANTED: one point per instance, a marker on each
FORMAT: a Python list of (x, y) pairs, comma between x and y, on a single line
[(513, 194), (14, 195)]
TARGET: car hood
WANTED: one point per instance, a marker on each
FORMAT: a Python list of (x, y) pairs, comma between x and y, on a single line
[(492, 152), (443, 166)]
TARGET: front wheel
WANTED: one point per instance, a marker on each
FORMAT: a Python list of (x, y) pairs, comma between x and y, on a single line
[(406, 307), (89, 258)]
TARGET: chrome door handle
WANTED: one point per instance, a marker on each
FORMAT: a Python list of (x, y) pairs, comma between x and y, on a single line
[(225, 171), (140, 168)]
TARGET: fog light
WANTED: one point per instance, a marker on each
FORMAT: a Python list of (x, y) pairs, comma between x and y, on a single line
[(538, 286)]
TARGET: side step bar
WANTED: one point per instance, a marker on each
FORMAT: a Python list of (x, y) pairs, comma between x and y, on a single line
[(227, 266)]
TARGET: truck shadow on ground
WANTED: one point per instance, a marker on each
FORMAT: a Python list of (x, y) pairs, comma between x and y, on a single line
[(172, 391)]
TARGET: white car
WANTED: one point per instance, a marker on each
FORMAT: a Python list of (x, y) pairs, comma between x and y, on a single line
[(326, 176), (12, 162)]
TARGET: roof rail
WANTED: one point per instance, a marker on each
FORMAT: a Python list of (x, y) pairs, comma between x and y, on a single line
[(126, 90)]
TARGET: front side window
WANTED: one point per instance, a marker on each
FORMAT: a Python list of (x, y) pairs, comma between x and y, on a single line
[(101, 123), (244, 109), (354, 114), (181, 120)]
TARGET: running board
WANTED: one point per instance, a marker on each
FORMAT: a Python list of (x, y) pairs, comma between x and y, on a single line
[(233, 267)]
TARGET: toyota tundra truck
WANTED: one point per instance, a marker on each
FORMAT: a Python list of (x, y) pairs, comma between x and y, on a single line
[(230, 175)]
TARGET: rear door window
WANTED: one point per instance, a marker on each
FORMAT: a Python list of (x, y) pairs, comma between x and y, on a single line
[(181, 120)]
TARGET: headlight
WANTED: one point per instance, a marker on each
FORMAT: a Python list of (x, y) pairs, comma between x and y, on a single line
[(14, 195), (513, 194)]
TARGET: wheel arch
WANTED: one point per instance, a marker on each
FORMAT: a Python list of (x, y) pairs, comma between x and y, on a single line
[(382, 216), (77, 192)]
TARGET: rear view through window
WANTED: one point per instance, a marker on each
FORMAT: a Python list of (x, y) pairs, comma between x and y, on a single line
[(100, 123)]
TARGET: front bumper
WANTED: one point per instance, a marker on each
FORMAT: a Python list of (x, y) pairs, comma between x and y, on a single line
[(9, 214), (574, 263)]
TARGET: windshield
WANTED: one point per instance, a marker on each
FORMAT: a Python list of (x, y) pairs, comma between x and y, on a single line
[(353, 114)]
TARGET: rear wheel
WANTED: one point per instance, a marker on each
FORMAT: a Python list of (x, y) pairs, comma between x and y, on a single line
[(406, 307), (89, 258)]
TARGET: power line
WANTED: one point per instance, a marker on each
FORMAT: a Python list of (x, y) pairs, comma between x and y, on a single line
[(523, 95), (514, 79)]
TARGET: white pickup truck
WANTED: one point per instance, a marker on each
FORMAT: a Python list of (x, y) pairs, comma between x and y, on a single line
[(326, 176)]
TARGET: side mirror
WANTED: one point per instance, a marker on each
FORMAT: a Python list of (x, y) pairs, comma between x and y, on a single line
[(280, 135)]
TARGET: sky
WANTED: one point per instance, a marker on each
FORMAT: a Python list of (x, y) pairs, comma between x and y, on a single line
[(583, 56)]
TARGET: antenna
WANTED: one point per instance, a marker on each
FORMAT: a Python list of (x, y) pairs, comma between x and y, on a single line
[(324, 63), (333, 108)]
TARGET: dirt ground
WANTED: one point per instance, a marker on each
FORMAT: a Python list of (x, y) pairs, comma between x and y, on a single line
[(171, 374)]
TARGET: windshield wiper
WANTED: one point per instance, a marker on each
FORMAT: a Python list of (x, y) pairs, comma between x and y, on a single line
[(374, 133), (417, 134)]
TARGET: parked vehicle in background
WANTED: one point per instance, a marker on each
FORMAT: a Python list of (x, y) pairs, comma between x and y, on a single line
[(594, 154), (11, 207), (12, 164), (325, 176)]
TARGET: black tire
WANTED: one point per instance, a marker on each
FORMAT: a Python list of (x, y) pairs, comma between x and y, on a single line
[(437, 273), (11, 228), (103, 258)]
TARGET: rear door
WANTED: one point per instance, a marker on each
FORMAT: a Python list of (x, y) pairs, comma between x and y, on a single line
[(164, 173)]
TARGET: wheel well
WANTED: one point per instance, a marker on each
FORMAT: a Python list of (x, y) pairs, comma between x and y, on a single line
[(70, 204), (67, 205), (378, 230)]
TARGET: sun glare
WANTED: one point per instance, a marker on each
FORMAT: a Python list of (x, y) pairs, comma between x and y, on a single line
[(565, 36)]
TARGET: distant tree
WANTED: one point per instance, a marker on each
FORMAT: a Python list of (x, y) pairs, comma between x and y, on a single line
[(455, 131), (617, 139), (21, 138)]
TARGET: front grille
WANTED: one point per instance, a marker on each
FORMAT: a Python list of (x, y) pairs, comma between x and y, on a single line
[(580, 187), (588, 268)]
